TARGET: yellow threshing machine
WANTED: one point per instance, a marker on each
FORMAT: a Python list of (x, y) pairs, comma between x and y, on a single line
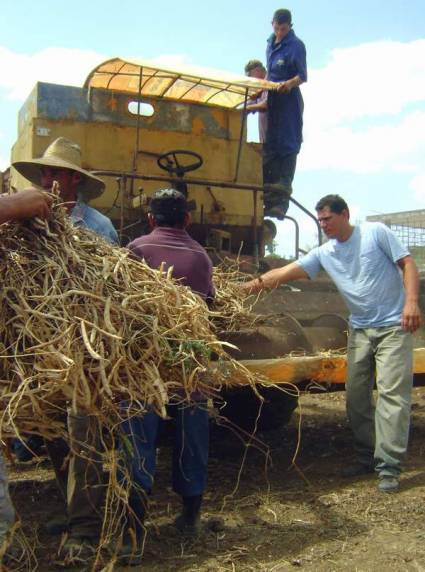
[(142, 127)]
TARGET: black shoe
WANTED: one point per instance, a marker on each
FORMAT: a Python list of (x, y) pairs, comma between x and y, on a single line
[(131, 551), (278, 188), (56, 526), (13, 555), (275, 212), (357, 469), (189, 521), (76, 551)]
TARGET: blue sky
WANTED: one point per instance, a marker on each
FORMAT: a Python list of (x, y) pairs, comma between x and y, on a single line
[(364, 101)]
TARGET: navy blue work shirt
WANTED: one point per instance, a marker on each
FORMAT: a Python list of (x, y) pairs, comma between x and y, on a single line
[(285, 60)]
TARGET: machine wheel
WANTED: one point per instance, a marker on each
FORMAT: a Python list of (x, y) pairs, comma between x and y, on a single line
[(175, 161), (241, 407)]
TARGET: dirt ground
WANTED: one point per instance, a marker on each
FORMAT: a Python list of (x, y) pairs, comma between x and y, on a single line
[(280, 518)]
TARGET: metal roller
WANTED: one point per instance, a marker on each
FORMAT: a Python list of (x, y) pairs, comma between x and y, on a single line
[(327, 332)]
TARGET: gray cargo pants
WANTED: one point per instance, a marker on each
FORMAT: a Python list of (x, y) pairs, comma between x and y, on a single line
[(380, 431), (7, 512), (80, 479)]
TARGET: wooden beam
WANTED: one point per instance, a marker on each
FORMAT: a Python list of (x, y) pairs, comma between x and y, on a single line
[(323, 368)]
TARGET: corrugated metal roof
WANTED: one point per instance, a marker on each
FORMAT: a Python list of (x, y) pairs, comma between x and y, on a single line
[(182, 83)]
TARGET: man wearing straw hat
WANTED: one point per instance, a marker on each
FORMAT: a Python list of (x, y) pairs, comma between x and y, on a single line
[(81, 481), (62, 162), (19, 206)]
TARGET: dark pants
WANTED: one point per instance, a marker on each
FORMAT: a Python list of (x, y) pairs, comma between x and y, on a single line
[(80, 478), (27, 449), (280, 170), (190, 448)]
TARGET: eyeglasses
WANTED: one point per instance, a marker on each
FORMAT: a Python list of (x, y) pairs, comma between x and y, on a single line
[(323, 219)]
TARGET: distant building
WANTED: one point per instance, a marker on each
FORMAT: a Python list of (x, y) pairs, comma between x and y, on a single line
[(409, 226)]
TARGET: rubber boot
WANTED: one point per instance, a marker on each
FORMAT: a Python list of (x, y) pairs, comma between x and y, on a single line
[(189, 521), (130, 553)]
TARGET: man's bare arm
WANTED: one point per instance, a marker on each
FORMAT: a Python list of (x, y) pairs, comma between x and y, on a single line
[(275, 278), (253, 107), (411, 317), (24, 204)]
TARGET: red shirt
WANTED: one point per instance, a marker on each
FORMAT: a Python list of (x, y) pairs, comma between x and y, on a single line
[(174, 247)]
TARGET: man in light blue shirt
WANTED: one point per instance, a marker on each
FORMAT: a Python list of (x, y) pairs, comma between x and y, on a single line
[(84, 215), (378, 280)]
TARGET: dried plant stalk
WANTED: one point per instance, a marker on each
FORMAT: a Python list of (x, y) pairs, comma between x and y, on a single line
[(84, 324), (232, 311)]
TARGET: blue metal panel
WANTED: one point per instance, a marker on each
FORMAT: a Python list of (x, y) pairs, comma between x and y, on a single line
[(62, 102), (27, 111)]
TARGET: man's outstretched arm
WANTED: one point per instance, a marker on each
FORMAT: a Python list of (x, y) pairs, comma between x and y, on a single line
[(25, 204), (275, 278)]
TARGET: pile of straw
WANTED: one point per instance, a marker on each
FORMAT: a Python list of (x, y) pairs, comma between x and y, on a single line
[(231, 309), (84, 324)]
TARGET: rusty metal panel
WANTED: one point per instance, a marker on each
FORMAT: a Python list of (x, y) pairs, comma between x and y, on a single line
[(59, 102), (101, 124)]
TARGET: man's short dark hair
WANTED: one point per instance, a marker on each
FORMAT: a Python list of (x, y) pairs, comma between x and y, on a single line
[(335, 203), (252, 65), (283, 16), (169, 208)]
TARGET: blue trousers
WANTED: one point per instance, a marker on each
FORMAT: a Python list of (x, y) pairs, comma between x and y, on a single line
[(190, 448)]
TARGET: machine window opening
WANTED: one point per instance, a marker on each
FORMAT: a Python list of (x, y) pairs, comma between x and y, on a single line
[(145, 109)]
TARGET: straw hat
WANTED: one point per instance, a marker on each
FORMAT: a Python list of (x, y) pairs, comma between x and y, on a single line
[(62, 154)]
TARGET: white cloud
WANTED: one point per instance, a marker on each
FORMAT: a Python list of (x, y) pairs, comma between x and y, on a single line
[(357, 114), (368, 80), (20, 72), (172, 60), (417, 185), (370, 150)]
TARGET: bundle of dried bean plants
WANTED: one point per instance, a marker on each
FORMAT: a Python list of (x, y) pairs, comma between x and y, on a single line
[(232, 311), (84, 324), (84, 327)]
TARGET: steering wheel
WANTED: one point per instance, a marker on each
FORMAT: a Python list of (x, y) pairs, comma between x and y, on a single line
[(175, 162)]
